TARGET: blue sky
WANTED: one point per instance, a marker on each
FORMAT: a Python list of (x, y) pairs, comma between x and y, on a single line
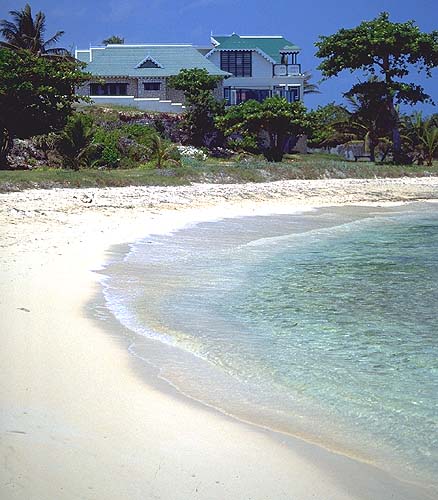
[(191, 21)]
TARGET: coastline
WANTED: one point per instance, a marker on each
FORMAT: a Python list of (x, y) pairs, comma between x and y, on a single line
[(79, 421)]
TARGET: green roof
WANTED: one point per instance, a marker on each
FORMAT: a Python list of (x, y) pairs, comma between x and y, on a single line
[(126, 60), (269, 45)]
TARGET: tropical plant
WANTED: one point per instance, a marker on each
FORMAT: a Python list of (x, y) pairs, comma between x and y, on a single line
[(113, 40), (37, 95), (389, 49), (308, 86), (76, 142), (198, 85), (429, 138), (369, 118), (422, 135), (25, 32), (275, 121), (163, 153), (326, 131)]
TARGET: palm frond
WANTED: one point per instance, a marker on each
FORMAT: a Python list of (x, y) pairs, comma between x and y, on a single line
[(25, 32)]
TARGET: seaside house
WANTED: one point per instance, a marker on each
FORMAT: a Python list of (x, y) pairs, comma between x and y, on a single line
[(253, 67), (261, 67), (137, 75)]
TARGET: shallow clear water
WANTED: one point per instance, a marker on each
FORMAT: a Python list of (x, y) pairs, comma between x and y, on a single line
[(322, 324)]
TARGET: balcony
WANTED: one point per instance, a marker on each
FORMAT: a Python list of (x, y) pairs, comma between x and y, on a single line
[(286, 69)]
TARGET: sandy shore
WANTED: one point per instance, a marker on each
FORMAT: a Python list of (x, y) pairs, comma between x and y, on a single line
[(81, 418)]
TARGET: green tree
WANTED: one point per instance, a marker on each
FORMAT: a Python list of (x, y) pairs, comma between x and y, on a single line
[(37, 95), (369, 117), (274, 121), (325, 129), (198, 85), (113, 40), (25, 32), (389, 49)]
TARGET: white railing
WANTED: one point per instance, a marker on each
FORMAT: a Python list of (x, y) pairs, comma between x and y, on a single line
[(287, 69)]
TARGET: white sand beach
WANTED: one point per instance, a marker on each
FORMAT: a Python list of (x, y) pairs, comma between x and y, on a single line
[(82, 418)]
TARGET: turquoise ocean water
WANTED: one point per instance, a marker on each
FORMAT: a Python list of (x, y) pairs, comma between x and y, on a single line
[(321, 324)]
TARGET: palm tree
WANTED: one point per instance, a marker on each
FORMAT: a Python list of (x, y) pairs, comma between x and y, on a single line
[(422, 135), (309, 88), (162, 152), (76, 142), (25, 32), (113, 40)]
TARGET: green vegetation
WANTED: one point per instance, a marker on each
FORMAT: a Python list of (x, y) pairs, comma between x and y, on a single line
[(380, 47), (75, 143), (113, 40), (37, 83), (422, 136), (114, 145), (239, 170), (26, 33), (198, 87), (274, 121), (36, 95)]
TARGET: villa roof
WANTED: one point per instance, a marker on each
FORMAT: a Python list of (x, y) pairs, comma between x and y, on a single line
[(128, 60), (270, 46)]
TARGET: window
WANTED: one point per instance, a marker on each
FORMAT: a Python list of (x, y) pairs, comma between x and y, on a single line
[(236, 96), (237, 62), (291, 94), (151, 85), (108, 89)]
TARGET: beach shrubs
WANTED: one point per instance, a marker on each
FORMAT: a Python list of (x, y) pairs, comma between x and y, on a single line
[(163, 153), (75, 143), (201, 106), (274, 122)]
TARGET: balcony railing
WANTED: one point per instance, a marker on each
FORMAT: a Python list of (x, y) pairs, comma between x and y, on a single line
[(287, 69)]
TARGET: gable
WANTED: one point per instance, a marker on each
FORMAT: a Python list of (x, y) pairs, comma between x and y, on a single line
[(149, 62), (269, 47)]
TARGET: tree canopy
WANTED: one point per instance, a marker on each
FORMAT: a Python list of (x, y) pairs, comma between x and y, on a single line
[(386, 50), (25, 32), (36, 94), (198, 85), (274, 121), (113, 40)]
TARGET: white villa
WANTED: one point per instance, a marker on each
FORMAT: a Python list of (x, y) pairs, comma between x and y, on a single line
[(252, 67), (261, 66)]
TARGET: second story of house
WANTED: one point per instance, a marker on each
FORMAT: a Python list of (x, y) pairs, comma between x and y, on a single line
[(261, 66)]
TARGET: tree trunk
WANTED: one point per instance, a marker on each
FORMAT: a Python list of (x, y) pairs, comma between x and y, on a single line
[(396, 139), (396, 143)]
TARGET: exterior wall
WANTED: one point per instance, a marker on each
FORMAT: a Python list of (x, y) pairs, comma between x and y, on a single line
[(142, 103), (262, 75), (261, 67), (132, 89), (175, 95), (161, 94), (166, 99), (178, 95)]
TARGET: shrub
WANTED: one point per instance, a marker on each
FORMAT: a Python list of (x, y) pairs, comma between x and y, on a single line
[(76, 142)]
